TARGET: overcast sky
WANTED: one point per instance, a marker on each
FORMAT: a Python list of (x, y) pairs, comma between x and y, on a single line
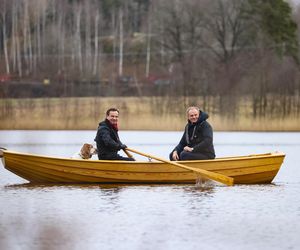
[(295, 1)]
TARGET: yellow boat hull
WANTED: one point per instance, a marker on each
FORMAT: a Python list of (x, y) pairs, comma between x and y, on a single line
[(251, 169)]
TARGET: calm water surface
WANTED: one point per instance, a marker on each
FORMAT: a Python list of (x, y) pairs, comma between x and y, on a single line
[(151, 216)]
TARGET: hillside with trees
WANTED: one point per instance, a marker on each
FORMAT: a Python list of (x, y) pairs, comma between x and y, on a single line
[(227, 50)]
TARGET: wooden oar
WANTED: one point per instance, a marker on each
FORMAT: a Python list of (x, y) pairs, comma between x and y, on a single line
[(207, 174)]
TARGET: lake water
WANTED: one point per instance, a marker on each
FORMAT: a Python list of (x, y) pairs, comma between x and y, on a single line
[(151, 216)]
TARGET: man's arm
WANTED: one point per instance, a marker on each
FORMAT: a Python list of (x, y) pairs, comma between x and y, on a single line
[(108, 141)]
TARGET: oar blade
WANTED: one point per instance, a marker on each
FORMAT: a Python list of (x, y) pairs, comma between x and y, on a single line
[(229, 181)]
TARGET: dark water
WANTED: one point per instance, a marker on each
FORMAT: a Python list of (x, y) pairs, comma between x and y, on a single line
[(151, 216)]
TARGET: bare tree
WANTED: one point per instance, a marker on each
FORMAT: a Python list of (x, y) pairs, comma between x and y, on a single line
[(96, 42), (121, 42), (227, 28), (4, 13), (181, 22)]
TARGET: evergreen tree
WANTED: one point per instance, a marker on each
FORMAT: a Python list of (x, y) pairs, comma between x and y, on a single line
[(276, 23)]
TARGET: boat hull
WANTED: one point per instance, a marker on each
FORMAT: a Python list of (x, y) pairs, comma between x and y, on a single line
[(252, 169)]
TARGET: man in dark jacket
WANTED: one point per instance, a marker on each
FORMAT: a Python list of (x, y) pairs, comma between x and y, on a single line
[(107, 138), (197, 140)]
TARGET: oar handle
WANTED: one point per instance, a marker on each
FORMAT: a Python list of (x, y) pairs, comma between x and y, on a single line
[(208, 174), (127, 153)]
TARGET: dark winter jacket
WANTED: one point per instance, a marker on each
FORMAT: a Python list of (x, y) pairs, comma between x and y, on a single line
[(107, 139), (198, 136)]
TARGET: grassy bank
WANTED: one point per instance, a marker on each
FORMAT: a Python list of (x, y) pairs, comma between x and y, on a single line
[(146, 113)]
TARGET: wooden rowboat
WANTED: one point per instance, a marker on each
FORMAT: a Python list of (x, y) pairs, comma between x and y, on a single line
[(251, 169)]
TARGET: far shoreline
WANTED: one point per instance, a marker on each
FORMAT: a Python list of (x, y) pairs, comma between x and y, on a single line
[(136, 114)]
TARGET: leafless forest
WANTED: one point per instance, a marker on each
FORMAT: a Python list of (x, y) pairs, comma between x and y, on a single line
[(228, 50)]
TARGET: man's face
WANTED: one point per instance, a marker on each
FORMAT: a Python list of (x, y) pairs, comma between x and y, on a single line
[(113, 117), (193, 115)]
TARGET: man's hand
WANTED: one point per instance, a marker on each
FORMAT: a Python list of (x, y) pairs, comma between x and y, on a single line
[(123, 146), (188, 149), (175, 156)]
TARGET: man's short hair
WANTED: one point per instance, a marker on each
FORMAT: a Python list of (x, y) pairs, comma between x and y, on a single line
[(190, 108), (111, 110)]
